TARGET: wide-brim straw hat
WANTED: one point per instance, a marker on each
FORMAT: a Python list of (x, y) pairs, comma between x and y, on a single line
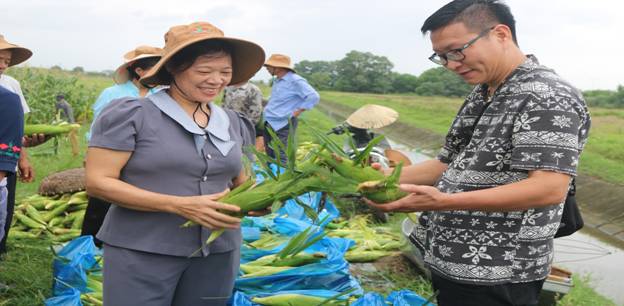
[(280, 61), (140, 52), (372, 116), (247, 57), (18, 54)]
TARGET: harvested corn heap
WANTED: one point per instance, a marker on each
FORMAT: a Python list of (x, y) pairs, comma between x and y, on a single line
[(59, 218)]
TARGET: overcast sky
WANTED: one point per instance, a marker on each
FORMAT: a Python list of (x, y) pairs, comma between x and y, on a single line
[(580, 39)]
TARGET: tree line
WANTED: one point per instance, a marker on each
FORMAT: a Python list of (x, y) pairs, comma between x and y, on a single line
[(369, 73)]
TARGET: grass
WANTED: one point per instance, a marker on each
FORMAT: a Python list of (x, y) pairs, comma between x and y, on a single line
[(603, 156), (583, 294)]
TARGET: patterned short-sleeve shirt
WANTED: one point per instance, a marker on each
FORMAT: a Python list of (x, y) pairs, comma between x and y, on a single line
[(534, 121), (245, 99)]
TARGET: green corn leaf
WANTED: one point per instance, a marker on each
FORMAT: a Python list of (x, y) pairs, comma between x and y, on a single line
[(327, 142), (309, 211), (276, 205), (277, 146), (363, 156), (291, 148), (293, 242), (264, 161)]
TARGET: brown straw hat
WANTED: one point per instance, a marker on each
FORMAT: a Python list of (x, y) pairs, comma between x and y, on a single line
[(372, 116), (280, 61), (121, 74), (247, 57), (18, 54)]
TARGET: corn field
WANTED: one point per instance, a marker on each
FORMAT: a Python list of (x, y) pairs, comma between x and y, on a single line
[(40, 87)]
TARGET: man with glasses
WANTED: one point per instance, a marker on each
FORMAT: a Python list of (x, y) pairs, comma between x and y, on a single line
[(492, 199)]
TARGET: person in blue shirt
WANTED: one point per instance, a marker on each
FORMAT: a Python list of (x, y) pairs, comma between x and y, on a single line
[(290, 96), (136, 64)]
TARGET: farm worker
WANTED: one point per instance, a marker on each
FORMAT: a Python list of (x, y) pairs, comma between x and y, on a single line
[(291, 95), (11, 55), (65, 108), (167, 158), (136, 63), (11, 133), (246, 98), (499, 182)]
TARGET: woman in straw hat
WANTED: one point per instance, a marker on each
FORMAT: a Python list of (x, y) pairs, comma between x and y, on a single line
[(136, 63), (167, 159)]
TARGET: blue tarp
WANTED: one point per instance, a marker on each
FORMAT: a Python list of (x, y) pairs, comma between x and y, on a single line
[(70, 271)]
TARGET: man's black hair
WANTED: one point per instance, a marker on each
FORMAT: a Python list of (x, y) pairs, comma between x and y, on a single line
[(477, 15)]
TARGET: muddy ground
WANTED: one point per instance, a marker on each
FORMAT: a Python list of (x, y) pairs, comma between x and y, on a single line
[(601, 203)]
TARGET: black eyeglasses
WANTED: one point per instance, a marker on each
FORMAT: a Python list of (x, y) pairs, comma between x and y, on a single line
[(456, 54)]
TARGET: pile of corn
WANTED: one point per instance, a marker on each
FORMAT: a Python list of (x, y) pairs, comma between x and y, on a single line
[(94, 284), (371, 243), (59, 218)]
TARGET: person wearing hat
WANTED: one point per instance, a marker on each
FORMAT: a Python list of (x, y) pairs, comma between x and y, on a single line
[(11, 55), (136, 64), (290, 96), (167, 158)]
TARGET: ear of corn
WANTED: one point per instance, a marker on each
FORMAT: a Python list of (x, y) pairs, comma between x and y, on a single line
[(51, 130), (296, 260), (259, 271), (385, 190), (28, 221), (357, 255), (294, 299)]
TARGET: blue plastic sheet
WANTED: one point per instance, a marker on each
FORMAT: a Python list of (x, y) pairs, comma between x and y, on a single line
[(406, 298), (71, 298), (262, 223), (290, 226), (71, 265), (250, 234), (370, 299)]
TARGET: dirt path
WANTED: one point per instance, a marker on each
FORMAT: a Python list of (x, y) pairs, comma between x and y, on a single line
[(602, 203)]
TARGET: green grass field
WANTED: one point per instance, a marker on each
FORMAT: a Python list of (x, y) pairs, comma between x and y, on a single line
[(603, 157)]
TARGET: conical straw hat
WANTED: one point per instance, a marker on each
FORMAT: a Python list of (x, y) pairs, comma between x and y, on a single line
[(18, 54), (372, 116)]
